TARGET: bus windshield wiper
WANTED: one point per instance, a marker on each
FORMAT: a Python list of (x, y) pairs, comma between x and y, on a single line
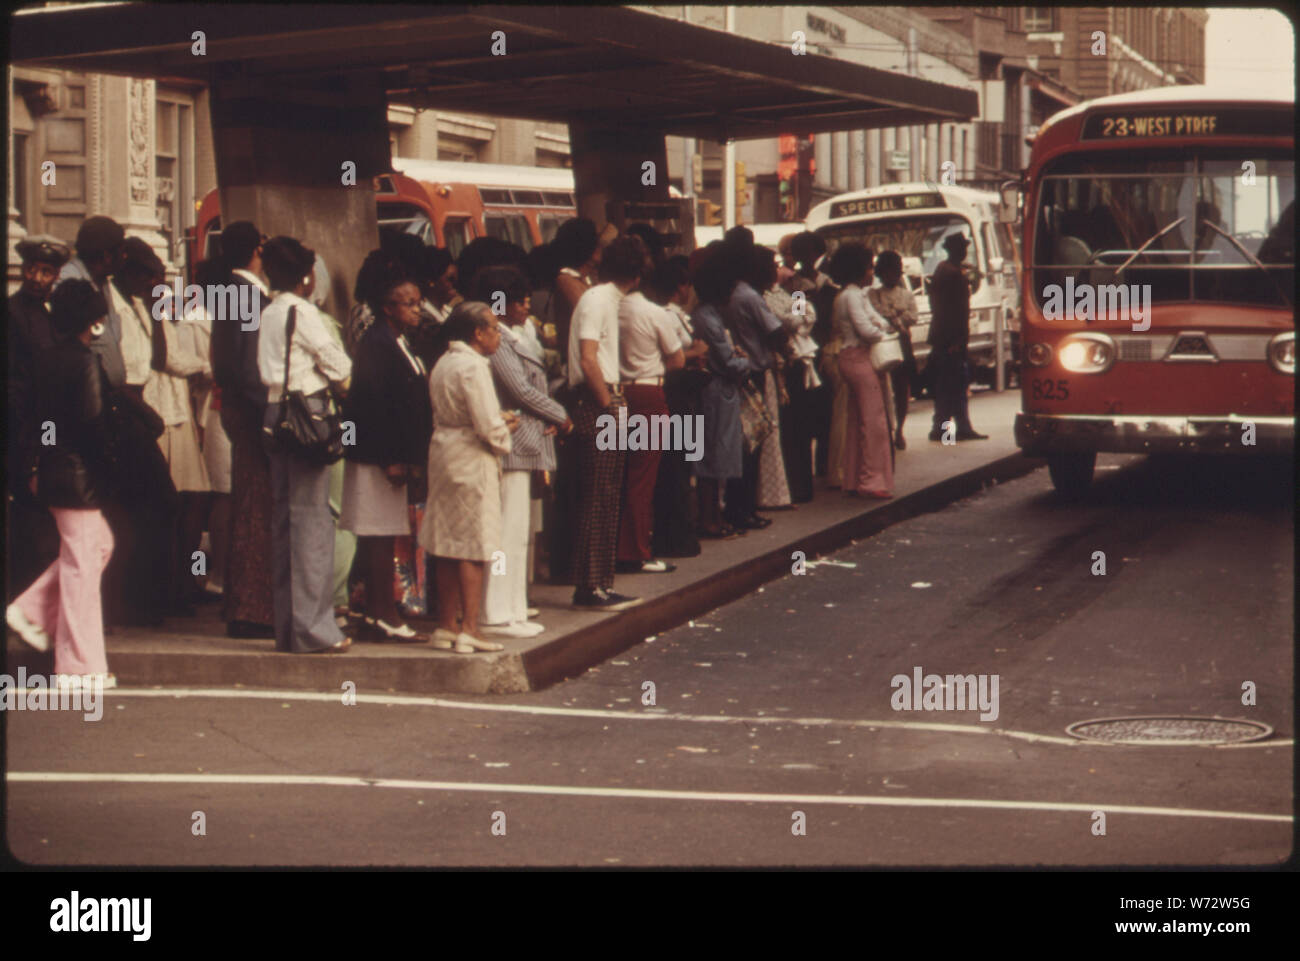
[(1150, 240), (1248, 255)]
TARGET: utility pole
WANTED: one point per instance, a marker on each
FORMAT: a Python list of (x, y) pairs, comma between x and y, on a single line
[(729, 158), (914, 132)]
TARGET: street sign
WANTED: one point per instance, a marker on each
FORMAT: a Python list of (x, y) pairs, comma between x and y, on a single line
[(899, 160)]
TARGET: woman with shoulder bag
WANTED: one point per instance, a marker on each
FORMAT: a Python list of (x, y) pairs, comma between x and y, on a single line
[(297, 356), (868, 448), (897, 305), (388, 406), (73, 478)]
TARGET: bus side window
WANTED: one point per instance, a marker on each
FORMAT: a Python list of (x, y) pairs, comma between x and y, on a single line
[(547, 225), (454, 235), (512, 228)]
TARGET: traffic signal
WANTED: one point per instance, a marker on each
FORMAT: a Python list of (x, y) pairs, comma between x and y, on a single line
[(711, 213), (742, 185)]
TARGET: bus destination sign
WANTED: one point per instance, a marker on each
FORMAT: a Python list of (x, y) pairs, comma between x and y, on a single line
[(1203, 122), (884, 205)]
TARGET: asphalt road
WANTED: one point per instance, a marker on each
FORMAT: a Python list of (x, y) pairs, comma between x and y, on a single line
[(777, 704)]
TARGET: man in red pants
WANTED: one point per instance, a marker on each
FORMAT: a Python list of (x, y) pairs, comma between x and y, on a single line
[(649, 345)]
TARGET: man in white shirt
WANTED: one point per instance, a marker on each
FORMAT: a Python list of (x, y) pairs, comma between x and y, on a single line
[(650, 343), (594, 373)]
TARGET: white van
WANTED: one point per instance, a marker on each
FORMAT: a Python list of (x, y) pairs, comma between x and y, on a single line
[(914, 219), (766, 235)]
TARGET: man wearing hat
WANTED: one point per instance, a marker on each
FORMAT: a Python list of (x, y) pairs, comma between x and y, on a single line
[(101, 248), (30, 335), (949, 334), (29, 319)]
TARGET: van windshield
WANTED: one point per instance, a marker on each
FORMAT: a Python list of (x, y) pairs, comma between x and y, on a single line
[(920, 238)]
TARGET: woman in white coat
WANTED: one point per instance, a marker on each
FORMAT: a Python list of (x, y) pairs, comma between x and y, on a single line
[(462, 520)]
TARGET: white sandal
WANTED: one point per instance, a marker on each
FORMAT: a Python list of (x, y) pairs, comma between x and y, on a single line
[(468, 644)]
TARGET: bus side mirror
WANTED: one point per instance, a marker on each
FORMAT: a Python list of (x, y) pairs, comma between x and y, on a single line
[(1009, 207)]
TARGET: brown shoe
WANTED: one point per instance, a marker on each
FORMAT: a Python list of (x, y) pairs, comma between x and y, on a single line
[(338, 648)]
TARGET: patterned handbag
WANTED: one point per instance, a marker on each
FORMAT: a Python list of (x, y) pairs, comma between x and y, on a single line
[(755, 421)]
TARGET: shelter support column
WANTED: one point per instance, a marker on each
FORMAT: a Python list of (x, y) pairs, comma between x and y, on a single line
[(297, 157), (609, 166)]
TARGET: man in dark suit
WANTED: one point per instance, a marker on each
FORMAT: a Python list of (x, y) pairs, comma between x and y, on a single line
[(33, 538), (949, 335), (248, 607)]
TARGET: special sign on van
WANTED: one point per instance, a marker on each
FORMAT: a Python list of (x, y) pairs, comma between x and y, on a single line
[(883, 205), (1191, 123)]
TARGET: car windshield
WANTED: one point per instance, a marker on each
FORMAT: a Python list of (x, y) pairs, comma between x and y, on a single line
[(1195, 228)]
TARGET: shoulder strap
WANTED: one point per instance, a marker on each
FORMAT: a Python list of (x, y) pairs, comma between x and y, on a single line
[(288, 347)]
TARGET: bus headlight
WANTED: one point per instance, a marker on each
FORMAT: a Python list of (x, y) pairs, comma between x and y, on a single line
[(1281, 353), (1087, 353), (1038, 354)]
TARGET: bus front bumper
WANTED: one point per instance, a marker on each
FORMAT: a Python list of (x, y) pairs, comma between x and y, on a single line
[(1046, 433)]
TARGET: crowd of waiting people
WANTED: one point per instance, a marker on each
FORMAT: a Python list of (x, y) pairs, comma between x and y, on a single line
[(471, 390)]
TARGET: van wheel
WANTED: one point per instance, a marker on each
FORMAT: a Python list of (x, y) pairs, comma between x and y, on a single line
[(1071, 472)]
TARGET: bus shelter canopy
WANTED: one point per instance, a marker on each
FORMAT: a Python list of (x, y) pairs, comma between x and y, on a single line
[(605, 67)]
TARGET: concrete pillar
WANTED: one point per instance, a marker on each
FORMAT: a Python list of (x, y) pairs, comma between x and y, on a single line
[(609, 166), (858, 159), (282, 145), (840, 145), (874, 175), (822, 153)]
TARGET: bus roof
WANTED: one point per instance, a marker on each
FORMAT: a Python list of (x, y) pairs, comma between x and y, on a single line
[(1162, 96), (485, 175), (964, 200)]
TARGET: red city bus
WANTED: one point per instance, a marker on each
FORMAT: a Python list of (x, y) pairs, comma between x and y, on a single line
[(1159, 234), (445, 204)]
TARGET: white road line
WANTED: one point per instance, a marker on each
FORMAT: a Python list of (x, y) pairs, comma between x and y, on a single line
[(50, 777), (416, 701)]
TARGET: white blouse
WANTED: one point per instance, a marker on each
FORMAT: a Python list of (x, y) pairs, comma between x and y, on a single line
[(316, 359), (855, 320)]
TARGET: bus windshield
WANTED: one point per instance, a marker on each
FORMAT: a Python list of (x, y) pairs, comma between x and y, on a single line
[(916, 237), (1198, 227)]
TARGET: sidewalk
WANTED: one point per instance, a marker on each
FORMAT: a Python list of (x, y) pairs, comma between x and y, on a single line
[(928, 476)]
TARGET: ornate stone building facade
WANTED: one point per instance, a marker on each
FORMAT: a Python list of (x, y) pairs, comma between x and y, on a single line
[(138, 151)]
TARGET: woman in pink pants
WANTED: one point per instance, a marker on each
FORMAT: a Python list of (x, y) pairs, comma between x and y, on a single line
[(70, 475), (868, 446)]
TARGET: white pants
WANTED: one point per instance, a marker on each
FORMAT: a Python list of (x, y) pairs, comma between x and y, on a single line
[(505, 595)]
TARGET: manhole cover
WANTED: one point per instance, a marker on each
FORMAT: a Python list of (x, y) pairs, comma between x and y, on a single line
[(1168, 729)]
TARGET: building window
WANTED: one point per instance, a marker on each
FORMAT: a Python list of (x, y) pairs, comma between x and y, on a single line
[(454, 148), (173, 172), (19, 173), (1040, 19)]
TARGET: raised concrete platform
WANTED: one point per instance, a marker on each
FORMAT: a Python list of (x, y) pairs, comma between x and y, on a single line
[(928, 476)]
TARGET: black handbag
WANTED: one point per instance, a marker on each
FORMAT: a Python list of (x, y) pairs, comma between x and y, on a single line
[(298, 431)]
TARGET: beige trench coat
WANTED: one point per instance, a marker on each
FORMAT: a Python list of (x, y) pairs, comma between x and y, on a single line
[(462, 518)]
